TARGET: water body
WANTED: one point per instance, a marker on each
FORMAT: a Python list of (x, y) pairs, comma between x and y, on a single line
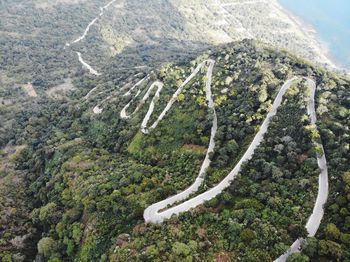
[(331, 19)]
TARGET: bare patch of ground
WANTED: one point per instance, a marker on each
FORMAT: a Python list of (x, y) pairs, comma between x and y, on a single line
[(60, 91), (29, 89), (52, 3), (5, 102), (222, 257)]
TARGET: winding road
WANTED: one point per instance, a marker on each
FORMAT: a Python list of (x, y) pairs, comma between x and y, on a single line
[(82, 37), (87, 66), (145, 121), (87, 29), (314, 220), (158, 212)]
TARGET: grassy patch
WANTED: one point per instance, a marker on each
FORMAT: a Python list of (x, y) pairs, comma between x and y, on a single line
[(195, 149), (135, 145)]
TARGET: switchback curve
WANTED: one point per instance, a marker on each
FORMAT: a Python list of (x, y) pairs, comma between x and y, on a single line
[(158, 212)]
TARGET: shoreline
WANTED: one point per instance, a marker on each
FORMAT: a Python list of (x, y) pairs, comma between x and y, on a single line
[(320, 46)]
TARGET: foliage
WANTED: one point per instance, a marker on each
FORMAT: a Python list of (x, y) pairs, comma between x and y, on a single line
[(88, 178)]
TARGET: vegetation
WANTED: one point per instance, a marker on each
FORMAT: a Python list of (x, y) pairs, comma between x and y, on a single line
[(77, 188)]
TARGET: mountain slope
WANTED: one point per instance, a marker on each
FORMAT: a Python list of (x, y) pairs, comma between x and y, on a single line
[(91, 176), (189, 25)]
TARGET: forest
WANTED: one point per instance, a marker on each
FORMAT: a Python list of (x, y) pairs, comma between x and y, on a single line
[(74, 184)]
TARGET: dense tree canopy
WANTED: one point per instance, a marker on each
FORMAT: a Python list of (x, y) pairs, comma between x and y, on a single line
[(86, 179)]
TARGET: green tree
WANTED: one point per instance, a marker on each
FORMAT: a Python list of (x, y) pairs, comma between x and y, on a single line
[(7, 258), (49, 213), (298, 257), (330, 249), (332, 232), (247, 235), (262, 94), (181, 97), (181, 249), (345, 239), (47, 246), (152, 252), (311, 247), (297, 231)]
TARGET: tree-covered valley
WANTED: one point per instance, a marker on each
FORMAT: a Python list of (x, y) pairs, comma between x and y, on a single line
[(76, 174)]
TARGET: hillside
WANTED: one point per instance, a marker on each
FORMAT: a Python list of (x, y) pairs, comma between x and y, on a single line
[(184, 26), (90, 164), (170, 131), (34, 31)]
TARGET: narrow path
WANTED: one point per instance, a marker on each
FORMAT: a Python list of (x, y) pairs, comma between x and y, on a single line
[(82, 37), (136, 85), (225, 14), (84, 34), (87, 29), (98, 109), (173, 99), (124, 115), (88, 95), (87, 66)]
